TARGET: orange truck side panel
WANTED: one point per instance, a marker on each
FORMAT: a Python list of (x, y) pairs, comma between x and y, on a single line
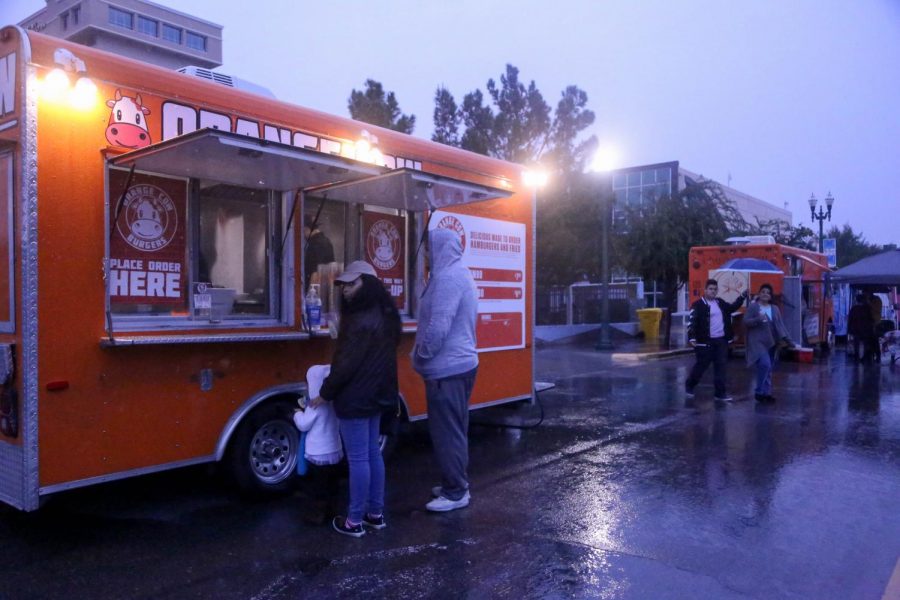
[(132, 407)]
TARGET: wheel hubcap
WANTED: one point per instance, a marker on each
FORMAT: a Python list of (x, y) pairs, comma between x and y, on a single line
[(273, 452)]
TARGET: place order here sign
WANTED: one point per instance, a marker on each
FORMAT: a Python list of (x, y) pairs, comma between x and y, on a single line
[(494, 251)]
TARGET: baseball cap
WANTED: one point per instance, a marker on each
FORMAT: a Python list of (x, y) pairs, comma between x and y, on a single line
[(354, 270)]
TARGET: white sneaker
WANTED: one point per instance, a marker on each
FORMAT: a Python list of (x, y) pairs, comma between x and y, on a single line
[(441, 504), (725, 398)]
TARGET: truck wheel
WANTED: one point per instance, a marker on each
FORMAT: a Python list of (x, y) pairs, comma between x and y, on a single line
[(263, 453)]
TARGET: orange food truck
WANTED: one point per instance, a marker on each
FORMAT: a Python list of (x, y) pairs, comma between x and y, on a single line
[(797, 277), (157, 252)]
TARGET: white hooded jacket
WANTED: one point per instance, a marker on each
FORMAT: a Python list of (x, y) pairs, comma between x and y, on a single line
[(323, 441)]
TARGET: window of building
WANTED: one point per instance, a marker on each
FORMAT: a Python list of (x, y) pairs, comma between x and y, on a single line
[(121, 18), (75, 11), (148, 26), (64, 20), (196, 41), (171, 33), (638, 188)]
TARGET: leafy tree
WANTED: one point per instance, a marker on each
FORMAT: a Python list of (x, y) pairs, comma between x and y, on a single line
[(568, 233), (851, 246), (798, 236), (567, 154), (446, 118), (522, 122), (479, 122), (375, 107), (515, 124), (659, 236)]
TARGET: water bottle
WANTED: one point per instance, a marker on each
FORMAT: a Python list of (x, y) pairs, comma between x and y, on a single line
[(313, 306)]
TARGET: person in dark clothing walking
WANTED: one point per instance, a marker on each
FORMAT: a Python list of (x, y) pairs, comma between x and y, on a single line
[(861, 326), (710, 332), (362, 384)]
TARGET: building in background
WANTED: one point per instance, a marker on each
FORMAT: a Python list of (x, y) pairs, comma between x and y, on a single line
[(640, 185), (137, 29)]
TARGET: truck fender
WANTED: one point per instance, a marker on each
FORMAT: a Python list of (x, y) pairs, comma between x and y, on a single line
[(291, 389)]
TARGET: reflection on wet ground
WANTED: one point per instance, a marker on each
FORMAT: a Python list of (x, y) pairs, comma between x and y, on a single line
[(625, 490)]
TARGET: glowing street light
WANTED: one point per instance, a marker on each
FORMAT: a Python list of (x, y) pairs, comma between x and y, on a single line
[(535, 178), (605, 160)]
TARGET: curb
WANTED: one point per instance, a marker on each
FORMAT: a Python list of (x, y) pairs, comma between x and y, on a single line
[(641, 356)]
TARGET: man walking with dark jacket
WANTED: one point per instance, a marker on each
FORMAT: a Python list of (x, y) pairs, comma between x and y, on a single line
[(710, 332)]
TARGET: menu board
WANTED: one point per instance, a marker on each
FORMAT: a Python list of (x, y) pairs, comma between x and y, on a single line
[(494, 251)]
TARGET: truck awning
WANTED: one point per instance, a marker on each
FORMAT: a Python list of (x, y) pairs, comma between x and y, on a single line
[(409, 189), (236, 159), (241, 160)]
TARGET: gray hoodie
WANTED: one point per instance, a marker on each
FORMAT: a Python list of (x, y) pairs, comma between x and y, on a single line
[(445, 340)]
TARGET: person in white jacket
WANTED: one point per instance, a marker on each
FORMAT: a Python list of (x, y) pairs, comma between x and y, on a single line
[(323, 446)]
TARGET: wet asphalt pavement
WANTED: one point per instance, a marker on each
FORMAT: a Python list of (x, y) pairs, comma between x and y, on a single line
[(623, 491)]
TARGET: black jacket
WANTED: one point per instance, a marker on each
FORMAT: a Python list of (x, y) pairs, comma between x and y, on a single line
[(363, 378), (698, 325)]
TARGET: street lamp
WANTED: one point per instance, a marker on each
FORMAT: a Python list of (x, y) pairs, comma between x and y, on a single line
[(603, 163), (822, 214)]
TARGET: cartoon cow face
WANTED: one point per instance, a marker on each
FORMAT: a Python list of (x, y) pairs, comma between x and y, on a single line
[(127, 126)]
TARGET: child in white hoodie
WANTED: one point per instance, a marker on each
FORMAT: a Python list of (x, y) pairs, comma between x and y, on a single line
[(323, 446)]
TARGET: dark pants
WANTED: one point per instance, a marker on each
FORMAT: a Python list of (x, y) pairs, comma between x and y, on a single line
[(869, 345), (448, 423), (715, 352)]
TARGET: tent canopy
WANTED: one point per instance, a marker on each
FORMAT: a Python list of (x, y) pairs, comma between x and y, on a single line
[(881, 269)]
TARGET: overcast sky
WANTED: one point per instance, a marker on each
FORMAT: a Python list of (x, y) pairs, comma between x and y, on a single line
[(790, 98)]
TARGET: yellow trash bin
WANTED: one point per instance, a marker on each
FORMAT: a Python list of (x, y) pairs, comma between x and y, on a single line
[(649, 319)]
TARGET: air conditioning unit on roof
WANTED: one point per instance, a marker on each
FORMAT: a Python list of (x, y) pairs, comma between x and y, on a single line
[(751, 239), (223, 79)]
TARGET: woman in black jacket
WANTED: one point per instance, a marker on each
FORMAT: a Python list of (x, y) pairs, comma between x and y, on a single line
[(361, 385)]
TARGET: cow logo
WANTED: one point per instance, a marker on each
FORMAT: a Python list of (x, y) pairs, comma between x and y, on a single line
[(127, 125), (383, 245), (149, 220), (452, 223)]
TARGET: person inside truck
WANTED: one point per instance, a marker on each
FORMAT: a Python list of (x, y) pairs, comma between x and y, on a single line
[(319, 249)]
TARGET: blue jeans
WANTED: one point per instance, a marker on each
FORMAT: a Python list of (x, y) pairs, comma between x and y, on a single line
[(765, 364), (360, 438)]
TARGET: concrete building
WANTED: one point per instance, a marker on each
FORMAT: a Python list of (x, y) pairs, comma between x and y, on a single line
[(134, 28), (634, 186)]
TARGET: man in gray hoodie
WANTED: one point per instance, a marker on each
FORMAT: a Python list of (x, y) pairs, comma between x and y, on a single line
[(445, 357)]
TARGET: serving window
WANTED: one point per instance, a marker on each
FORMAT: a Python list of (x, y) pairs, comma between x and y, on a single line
[(336, 233), (192, 253)]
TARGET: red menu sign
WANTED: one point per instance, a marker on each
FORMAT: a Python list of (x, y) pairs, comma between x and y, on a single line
[(385, 237), (147, 246), (494, 251)]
